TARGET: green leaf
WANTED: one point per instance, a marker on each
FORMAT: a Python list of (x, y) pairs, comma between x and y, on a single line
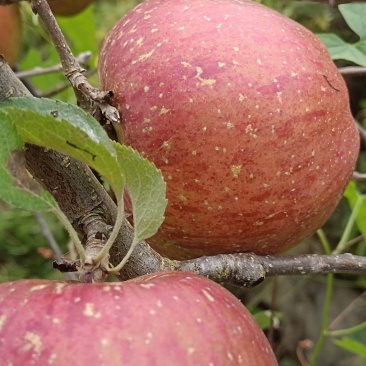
[(351, 345), (341, 50), (68, 129), (355, 16), (266, 319), (353, 195), (17, 188), (146, 189)]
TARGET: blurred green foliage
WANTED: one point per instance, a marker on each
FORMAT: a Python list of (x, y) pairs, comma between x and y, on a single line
[(24, 252)]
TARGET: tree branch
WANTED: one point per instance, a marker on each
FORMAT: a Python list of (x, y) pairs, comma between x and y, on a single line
[(248, 269), (90, 99), (83, 59)]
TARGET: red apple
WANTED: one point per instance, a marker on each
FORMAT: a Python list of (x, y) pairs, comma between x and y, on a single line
[(169, 318), (245, 114), (10, 33), (68, 7)]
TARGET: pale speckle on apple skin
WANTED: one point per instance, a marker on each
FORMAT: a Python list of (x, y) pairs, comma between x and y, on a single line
[(34, 343), (107, 288), (3, 319), (59, 288), (53, 357), (38, 287), (56, 320), (89, 311), (208, 295)]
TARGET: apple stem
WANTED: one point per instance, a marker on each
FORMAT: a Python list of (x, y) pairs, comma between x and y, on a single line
[(116, 269), (117, 226)]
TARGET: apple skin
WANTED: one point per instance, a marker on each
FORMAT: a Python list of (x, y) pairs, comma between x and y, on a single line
[(167, 318), (245, 114), (68, 7), (10, 33)]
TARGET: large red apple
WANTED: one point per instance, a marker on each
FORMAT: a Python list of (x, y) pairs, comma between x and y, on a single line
[(10, 33), (160, 319), (244, 112)]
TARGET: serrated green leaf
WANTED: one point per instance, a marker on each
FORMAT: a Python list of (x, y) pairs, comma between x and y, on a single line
[(341, 50), (146, 189), (17, 188), (355, 16), (353, 195), (351, 345), (68, 129)]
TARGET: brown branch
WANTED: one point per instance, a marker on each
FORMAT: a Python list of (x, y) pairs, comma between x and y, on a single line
[(248, 269)]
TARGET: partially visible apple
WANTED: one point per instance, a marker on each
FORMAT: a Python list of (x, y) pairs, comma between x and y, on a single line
[(10, 33), (245, 114), (68, 7), (168, 318)]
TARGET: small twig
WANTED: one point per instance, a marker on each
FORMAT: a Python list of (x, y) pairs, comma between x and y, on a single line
[(313, 264), (359, 177), (352, 308), (83, 59), (352, 70), (66, 266), (356, 240), (46, 232), (362, 133), (62, 87), (303, 345), (248, 270), (89, 98)]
